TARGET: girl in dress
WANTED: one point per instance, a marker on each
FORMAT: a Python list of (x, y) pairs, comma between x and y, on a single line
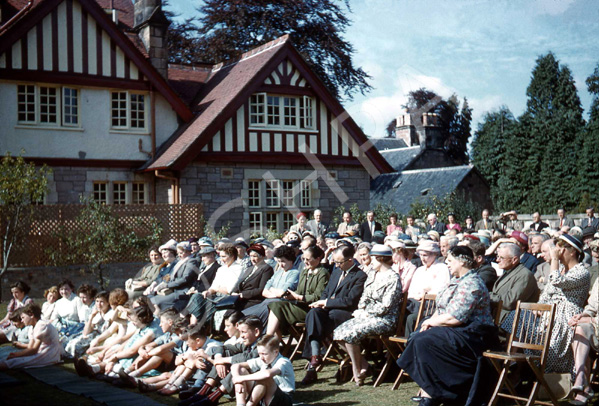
[(51, 296), (44, 347), (98, 321), (19, 299)]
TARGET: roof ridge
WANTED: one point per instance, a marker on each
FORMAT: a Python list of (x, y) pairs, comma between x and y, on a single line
[(398, 149), (444, 168), (251, 53)]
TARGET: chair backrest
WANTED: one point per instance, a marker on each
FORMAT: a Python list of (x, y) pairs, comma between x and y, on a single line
[(428, 305), (496, 311), (532, 327), (401, 319)]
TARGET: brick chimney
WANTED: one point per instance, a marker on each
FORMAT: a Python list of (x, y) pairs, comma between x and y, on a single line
[(151, 25), (423, 130)]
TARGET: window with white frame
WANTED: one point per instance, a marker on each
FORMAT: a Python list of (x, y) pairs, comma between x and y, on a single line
[(288, 220), (119, 193), (255, 222), (254, 193), (272, 193), (101, 192), (128, 110), (290, 112), (53, 106), (306, 193), (287, 193), (138, 195), (272, 221)]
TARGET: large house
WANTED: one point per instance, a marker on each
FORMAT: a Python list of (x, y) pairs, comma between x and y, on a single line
[(85, 87)]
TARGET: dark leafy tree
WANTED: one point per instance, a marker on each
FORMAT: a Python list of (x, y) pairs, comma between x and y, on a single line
[(226, 29)]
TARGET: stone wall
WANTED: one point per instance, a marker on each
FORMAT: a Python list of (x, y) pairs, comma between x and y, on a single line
[(222, 188), (42, 278)]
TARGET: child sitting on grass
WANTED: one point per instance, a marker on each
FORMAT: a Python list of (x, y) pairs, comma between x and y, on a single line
[(268, 379), (20, 338)]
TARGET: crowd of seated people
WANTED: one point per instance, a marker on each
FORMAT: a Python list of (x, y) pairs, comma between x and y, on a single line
[(160, 331)]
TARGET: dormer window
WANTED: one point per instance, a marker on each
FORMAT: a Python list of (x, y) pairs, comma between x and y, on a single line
[(285, 112)]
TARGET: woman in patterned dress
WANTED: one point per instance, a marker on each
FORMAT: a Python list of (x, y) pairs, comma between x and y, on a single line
[(377, 311), (443, 357), (568, 287)]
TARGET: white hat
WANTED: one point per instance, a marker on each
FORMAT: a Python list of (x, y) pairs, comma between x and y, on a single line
[(170, 245)]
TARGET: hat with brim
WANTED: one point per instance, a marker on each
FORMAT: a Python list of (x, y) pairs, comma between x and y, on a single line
[(207, 250), (410, 244), (259, 249), (293, 243), (394, 244), (520, 237), (428, 246), (380, 250), (184, 245), (169, 245), (573, 241)]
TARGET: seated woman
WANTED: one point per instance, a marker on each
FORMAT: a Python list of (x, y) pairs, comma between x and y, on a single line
[(452, 224), (567, 287), (443, 356), (66, 311), (168, 252), (44, 347), (312, 281), (19, 299), (284, 278), (148, 274), (250, 285), (402, 264), (363, 256), (85, 307), (98, 322), (20, 338), (117, 323), (377, 310), (51, 294)]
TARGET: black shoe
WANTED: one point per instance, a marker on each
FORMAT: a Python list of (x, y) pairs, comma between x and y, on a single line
[(193, 399), (187, 393), (428, 402), (310, 377)]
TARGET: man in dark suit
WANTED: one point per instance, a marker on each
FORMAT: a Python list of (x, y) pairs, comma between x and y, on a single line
[(590, 220), (316, 226), (368, 227), (434, 225), (537, 224), (339, 299)]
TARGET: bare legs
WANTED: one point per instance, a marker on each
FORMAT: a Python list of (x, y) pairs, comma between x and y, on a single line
[(272, 327), (359, 363)]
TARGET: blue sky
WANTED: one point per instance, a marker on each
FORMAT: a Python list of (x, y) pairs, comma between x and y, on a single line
[(482, 50)]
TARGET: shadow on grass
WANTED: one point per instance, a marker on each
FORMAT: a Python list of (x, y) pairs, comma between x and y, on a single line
[(317, 395)]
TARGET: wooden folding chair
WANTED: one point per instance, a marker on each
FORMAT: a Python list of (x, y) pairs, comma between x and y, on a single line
[(531, 331), (297, 333), (428, 306), (393, 350), (496, 311)]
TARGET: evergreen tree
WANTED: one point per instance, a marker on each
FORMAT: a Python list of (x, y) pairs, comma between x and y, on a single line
[(588, 150), (226, 29)]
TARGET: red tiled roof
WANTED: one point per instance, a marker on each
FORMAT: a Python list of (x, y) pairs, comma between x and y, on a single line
[(226, 83), (188, 80)]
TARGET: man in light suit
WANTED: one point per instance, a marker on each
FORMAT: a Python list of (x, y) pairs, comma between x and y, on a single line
[(368, 227), (339, 299), (316, 226), (562, 220), (590, 220), (516, 283), (485, 223)]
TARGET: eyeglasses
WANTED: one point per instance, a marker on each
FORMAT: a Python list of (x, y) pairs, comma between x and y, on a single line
[(342, 262)]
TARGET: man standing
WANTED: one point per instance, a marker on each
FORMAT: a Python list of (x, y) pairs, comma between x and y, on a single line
[(412, 229), (538, 225), (339, 299), (516, 283), (590, 220), (316, 226), (562, 220), (434, 225), (485, 223), (348, 227), (368, 227)]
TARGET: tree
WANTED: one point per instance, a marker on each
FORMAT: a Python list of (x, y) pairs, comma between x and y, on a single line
[(21, 185), (227, 28)]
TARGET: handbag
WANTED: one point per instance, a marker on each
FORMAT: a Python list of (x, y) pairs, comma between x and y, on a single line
[(225, 302), (560, 385)]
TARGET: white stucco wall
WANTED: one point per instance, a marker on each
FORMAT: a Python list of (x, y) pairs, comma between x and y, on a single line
[(94, 139)]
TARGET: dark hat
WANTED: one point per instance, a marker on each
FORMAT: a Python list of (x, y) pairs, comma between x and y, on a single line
[(588, 232), (241, 241), (258, 249), (573, 241), (332, 236), (300, 214), (380, 250), (520, 237), (293, 243), (192, 240)]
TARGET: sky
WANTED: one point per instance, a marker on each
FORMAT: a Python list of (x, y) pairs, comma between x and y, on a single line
[(482, 50)]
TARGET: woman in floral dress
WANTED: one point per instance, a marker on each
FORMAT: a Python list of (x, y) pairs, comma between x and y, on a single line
[(377, 311)]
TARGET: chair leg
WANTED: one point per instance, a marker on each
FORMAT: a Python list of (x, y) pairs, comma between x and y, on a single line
[(384, 371), (540, 379), (300, 343), (398, 380), (500, 382)]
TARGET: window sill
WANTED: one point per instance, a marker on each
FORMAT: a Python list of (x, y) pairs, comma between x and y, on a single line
[(48, 128), (284, 129), (129, 132)]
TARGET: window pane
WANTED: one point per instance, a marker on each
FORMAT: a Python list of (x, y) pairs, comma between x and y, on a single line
[(306, 114), (48, 105), (288, 193), (118, 112), (257, 109), (139, 193), (70, 103), (306, 198), (137, 111), (272, 193), (100, 192), (287, 220), (274, 110), (254, 193), (26, 103), (256, 222), (290, 111), (271, 221), (119, 193)]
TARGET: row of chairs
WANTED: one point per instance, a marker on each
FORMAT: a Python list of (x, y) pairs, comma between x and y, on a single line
[(528, 344)]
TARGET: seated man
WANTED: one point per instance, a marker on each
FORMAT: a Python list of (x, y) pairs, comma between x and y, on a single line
[(516, 283), (339, 299), (544, 269)]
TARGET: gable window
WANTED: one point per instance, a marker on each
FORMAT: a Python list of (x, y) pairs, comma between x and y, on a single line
[(128, 110), (48, 105), (296, 112)]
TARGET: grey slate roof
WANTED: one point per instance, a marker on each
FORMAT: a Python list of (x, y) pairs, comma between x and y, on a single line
[(400, 158), (388, 143), (401, 189)]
